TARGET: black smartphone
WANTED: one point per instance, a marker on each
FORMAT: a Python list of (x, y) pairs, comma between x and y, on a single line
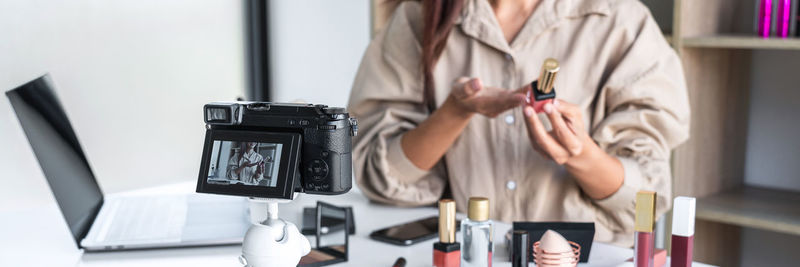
[(410, 233)]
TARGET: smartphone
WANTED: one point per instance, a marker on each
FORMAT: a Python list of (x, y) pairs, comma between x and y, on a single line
[(410, 233)]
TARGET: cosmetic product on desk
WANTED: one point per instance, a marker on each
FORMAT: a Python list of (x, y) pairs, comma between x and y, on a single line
[(477, 232), (553, 250), (519, 249), (645, 220), (659, 258), (683, 209), (447, 252), (542, 91), (400, 262)]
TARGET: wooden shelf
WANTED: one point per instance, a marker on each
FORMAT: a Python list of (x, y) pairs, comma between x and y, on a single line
[(754, 207), (742, 42)]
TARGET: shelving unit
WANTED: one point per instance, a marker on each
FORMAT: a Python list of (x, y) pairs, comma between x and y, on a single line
[(715, 40), (761, 208), (741, 42)]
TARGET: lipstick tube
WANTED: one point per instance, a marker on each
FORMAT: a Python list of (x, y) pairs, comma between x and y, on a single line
[(645, 220), (784, 18), (447, 252), (682, 231), (542, 91), (764, 18)]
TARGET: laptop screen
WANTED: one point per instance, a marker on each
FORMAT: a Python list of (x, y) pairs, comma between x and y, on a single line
[(59, 153)]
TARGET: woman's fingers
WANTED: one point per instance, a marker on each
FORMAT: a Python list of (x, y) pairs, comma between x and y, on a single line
[(497, 100), (572, 113), (465, 87), (523, 90), (562, 132), (540, 137)]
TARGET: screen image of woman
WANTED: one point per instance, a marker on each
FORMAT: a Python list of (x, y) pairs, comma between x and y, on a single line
[(246, 165), (249, 163)]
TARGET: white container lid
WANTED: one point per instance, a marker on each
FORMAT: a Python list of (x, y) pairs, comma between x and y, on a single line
[(683, 216)]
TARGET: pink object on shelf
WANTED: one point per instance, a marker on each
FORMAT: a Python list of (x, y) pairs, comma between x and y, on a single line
[(765, 18), (784, 17)]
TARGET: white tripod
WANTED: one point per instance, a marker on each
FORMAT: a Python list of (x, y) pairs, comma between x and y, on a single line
[(272, 242)]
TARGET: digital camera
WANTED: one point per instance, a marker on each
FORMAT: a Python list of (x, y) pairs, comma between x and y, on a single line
[(272, 150)]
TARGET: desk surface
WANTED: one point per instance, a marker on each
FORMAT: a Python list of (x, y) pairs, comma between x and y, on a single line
[(41, 238)]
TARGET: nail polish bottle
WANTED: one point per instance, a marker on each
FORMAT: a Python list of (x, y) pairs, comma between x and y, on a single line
[(477, 231), (682, 231), (542, 91), (447, 252), (644, 222)]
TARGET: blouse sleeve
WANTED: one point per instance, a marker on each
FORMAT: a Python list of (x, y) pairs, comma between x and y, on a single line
[(642, 113), (387, 100)]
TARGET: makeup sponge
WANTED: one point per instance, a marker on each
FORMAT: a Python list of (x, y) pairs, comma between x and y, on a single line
[(553, 242)]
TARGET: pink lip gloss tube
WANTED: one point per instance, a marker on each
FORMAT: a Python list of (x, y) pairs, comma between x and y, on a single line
[(764, 18), (784, 17), (645, 220), (682, 231)]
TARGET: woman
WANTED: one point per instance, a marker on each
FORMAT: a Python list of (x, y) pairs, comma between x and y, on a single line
[(437, 100), (247, 165)]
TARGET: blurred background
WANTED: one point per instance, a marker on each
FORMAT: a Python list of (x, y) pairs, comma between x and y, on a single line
[(133, 76)]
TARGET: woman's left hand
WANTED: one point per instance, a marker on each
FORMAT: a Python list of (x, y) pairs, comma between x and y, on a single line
[(567, 140)]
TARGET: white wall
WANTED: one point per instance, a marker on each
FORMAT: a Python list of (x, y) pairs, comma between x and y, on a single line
[(316, 46), (132, 76)]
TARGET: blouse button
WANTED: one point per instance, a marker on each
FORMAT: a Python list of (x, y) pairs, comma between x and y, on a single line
[(508, 56), (510, 119), (511, 185)]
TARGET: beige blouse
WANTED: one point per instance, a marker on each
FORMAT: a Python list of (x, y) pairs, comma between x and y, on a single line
[(615, 64)]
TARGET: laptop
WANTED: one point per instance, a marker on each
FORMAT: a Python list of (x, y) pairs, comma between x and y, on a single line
[(116, 222)]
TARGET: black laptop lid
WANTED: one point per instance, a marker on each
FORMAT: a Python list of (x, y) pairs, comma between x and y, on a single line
[(59, 153)]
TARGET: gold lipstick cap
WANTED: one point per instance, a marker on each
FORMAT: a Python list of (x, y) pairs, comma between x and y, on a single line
[(478, 209), (548, 76), (645, 211), (447, 221)]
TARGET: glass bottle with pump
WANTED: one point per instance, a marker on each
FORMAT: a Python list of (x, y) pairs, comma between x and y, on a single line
[(477, 231)]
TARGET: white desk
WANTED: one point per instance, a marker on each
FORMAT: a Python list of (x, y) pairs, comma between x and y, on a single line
[(40, 238)]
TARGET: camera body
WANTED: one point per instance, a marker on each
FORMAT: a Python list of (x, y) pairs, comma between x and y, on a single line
[(270, 150)]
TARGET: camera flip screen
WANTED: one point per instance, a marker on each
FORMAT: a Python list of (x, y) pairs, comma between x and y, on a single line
[(249, 163), (244, 163)]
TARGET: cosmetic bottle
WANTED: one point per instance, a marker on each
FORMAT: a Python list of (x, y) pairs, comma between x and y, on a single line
[(784, 18), (682, 231), (542, 91), (477, 232), (764, 18), (447, 252), (645, 220), (519, 249)]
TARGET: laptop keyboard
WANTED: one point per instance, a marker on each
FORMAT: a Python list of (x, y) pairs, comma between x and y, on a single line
[(146, 218)]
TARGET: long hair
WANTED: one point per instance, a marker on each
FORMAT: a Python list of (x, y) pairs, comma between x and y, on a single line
[(439, 17)]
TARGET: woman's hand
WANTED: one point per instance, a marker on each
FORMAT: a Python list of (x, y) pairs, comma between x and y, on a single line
[(567, 140), (470, 96), (598, 174), (426, 144)]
